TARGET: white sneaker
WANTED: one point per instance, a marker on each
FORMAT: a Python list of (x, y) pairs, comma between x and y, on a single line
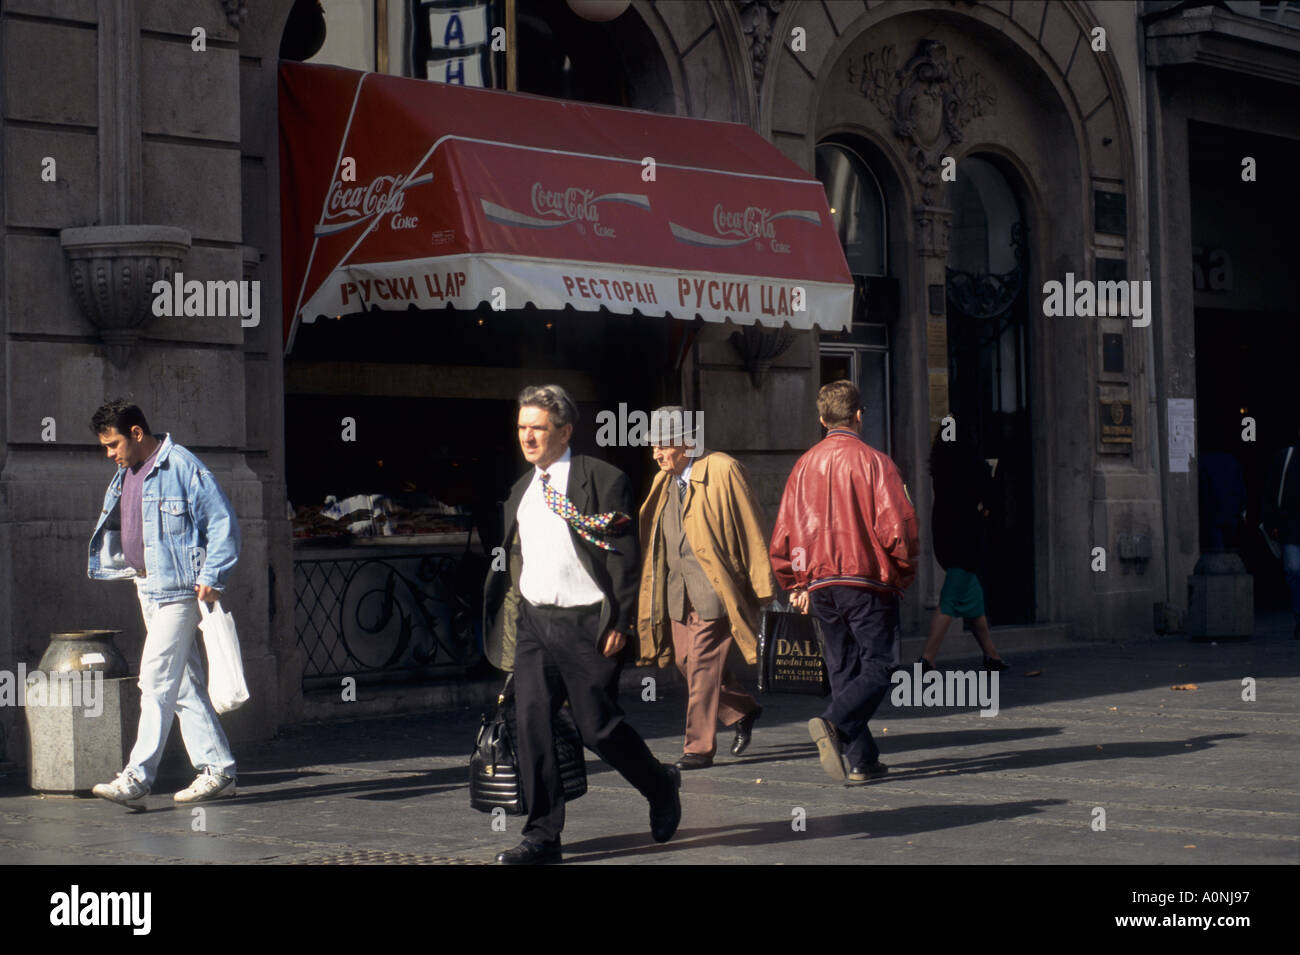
[(125, 789), (207, 785)]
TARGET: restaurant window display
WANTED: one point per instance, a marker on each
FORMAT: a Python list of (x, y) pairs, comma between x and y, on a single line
[(400, 445)]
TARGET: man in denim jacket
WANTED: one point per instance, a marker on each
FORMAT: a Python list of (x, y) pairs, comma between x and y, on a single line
[(167, 526)]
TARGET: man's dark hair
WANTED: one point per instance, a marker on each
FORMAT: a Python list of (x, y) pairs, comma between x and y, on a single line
[(119, 415)]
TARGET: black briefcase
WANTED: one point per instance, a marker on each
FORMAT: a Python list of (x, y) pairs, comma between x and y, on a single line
[(790, 655), (493, 779)]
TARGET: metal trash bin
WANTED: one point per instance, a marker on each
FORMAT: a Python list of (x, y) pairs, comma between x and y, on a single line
[(79, 703)]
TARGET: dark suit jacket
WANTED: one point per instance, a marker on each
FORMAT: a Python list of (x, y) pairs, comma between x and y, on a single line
[(594, 488)]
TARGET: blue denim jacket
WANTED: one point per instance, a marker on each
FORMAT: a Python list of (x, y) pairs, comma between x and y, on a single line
[(191, 536)]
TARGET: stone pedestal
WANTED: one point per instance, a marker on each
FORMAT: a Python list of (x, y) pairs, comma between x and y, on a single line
[(1220, 597), (78, 739)]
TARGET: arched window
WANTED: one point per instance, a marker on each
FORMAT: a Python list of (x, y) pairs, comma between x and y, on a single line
[(857, 207), (861, 353), (986, 220)]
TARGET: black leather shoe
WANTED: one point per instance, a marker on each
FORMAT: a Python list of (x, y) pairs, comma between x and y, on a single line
[(860, 774), (694, 761), (666, 811), (926, 665), (995, 664), (745, 730), (531, 853)]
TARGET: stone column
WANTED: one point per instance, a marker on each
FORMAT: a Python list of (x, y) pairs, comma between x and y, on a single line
[(933, 225)]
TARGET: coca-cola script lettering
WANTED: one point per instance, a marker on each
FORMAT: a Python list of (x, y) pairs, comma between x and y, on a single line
[(381, 196), (753, 223), (349, 204), (569, 204)]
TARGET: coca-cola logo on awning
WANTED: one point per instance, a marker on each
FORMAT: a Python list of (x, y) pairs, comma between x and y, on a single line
[(733, 227), (561, 206), (350, 203), (571, 205), (752, 222)]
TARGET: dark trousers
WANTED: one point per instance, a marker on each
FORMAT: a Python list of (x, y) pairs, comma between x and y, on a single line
[(555, 658), (861, 635)]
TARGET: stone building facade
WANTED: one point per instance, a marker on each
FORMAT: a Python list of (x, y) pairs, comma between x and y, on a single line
[(1065, 124)]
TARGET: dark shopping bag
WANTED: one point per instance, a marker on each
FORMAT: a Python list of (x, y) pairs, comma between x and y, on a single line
[(493, 778), (790, 655)]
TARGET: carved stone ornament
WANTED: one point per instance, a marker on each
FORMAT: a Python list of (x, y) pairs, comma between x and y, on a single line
[(113, 272), (933, 227), (929, 100), (756, 18), (758, 347), (236, 11)]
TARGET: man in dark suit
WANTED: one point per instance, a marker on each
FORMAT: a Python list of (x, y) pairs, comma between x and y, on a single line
[(560, 615)]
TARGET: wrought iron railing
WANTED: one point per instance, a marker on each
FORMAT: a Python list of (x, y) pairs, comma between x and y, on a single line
[(383, 616)]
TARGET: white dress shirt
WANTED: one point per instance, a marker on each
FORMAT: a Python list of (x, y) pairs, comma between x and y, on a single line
[(552, 575)]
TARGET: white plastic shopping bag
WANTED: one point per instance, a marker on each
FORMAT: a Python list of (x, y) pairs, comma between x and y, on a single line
[(226, 684)]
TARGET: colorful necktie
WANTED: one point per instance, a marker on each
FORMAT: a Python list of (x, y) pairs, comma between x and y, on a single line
[(587, 525)]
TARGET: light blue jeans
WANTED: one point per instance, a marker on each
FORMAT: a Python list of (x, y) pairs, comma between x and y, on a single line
[(172, 682), (1291, 568)]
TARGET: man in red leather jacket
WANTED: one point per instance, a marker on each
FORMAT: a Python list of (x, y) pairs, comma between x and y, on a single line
[(845, 545)]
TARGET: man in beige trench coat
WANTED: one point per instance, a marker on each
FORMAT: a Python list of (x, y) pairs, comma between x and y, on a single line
[(704, 574)]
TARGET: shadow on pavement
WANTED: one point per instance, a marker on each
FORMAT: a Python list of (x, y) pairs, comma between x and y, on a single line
[(1038, 758), (867, 824)]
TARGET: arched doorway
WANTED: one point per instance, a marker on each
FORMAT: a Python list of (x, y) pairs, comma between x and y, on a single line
[(988, 369)]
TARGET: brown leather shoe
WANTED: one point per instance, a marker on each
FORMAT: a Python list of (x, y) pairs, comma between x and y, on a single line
[(828, 747)]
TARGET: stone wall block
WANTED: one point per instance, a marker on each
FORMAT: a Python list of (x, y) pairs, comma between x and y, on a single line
[(198, 393), (29, 93), (686, 22), (1060, 34), (708, 82), (775, 418), (83, 11), (1086, 78), (844, 13), (1029, 14), (168, 16), (189, 93), (1107, 159), (72, 200), (792, 99), (195, 187), (38, 288), (205, 264), (820, 38)]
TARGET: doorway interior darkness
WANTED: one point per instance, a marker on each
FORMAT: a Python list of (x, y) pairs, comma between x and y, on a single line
[(1245, 367), (988, 387)]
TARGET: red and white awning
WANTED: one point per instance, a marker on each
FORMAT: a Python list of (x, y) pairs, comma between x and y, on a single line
[(398, 192)]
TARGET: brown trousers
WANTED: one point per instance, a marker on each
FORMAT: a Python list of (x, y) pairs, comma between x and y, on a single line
[(700, 648)]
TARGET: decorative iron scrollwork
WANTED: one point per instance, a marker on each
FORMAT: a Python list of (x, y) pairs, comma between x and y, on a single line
[(371, 615), (986, 295)]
